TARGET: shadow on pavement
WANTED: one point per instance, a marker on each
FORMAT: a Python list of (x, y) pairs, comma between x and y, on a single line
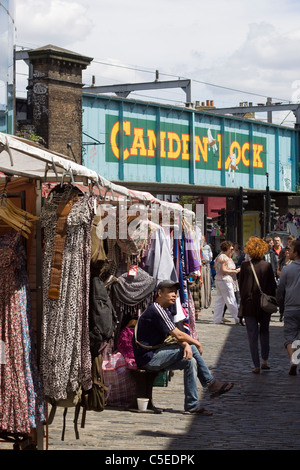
[(261, 411)]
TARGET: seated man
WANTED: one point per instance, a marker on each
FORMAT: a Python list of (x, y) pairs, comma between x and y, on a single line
[(153, 327)]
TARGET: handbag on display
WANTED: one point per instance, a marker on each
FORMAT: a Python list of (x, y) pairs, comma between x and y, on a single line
[(268, 303)]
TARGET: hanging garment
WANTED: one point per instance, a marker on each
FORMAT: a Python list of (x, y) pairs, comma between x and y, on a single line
[(159, 262), (181, 273), (192, 317), (130, 295), (132, 290), (206, 286), (195, 289), (191, 255), (21, 396), (97, 247), (65, 349), (102, 316), (63, 211)]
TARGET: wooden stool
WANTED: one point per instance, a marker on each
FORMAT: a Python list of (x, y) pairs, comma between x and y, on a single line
[(144, 380)]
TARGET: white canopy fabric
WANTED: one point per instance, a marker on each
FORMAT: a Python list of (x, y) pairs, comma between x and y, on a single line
[(21, 157)]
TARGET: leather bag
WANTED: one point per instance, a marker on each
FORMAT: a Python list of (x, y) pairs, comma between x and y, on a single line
[(268, 303)]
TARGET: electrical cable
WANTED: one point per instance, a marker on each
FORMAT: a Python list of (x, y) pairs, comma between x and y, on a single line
[(136, 69)]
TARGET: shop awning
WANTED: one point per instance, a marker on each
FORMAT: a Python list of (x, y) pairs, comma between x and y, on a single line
[(21, 157)]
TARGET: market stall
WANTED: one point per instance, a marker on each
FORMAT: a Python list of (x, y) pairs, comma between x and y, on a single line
[(80, 233)]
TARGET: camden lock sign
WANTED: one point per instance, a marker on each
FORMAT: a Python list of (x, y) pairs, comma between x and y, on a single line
[(140, 144), (149, 143)]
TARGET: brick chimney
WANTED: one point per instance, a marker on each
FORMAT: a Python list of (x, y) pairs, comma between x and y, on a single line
[(55, 98)]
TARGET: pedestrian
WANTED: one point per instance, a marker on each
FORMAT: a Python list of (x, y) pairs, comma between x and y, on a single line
[(289, 242), (226, 284), (212, 268), (289, 288), (284, 261), (237, 253), (153, 327), (271, 255), (277, 245), (257, 320), (237, 257)]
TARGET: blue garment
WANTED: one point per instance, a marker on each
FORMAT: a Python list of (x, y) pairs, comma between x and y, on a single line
[(181, 273), (171, 358)]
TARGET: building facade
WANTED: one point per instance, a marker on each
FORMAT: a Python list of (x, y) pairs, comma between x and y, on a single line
[(7, 41), (154, 145)]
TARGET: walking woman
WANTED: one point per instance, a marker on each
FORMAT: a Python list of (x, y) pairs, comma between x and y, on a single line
[(257, 320), (226, 283), (284, 261)]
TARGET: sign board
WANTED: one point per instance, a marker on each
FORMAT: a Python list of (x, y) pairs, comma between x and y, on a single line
[(251, 225), (148, 142)]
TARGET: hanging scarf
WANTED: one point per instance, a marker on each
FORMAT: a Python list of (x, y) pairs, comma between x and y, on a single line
[(131, 290)]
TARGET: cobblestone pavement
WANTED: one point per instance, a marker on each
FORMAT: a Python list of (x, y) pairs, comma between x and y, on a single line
[(260, 412)]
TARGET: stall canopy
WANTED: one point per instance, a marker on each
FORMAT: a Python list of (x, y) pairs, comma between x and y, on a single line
[(21, 157)]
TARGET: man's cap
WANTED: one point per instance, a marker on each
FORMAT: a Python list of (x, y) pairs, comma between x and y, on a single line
[(167, 283)]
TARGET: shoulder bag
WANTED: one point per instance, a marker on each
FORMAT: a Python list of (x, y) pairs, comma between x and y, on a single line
[(169, 341), (268, 303)]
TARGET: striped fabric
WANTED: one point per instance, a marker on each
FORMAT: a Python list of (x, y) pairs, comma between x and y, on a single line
[(162, 312)]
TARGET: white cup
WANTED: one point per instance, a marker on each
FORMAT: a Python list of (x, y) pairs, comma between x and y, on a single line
[(142, 403)]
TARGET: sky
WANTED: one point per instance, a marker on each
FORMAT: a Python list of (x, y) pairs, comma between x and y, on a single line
[(233, 51)]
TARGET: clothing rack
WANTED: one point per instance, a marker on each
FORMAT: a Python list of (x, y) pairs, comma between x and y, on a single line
[(46, 166)]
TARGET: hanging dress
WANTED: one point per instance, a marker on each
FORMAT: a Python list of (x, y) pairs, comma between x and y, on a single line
[(21, 397), (65, 348)]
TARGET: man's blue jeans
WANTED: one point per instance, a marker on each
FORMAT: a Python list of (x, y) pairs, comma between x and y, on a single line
[(171, 358)]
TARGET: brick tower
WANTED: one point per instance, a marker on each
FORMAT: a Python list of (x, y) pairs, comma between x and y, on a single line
[(55, 98)]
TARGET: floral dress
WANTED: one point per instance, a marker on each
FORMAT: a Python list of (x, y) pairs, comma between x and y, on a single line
[(21, 397), (65, 349)]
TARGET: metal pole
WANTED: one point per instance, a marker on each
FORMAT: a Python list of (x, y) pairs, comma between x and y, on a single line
[(39, 295), (264, 217), (241, 225), (269, 113), (268, 208)]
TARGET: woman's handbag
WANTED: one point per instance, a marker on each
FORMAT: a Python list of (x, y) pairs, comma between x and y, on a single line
[(268, 303)]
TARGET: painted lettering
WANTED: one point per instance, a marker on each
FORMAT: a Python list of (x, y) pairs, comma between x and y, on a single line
[(202, 147), (257, 162), (173, 137), (163, 135), (245, 160), (142, 142), (151, 142), (185, 146), (219, 139), (138, 143), (113, 138)]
